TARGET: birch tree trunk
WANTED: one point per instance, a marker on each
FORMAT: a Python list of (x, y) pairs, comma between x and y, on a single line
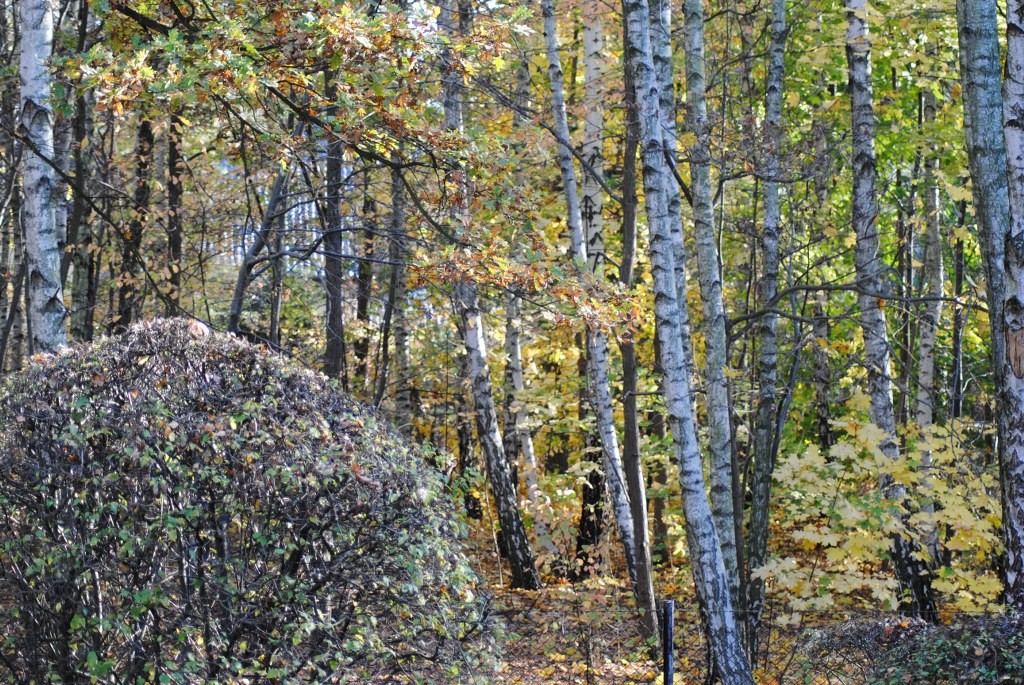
[(912, 574), (46, 311), (660, 31), (631, 462), (707, 563), (980, 75), (592, 200), (1012, 325), (517, 429), (503, 481), (766, 413), (597, 346), (934, 276), (716, 359)]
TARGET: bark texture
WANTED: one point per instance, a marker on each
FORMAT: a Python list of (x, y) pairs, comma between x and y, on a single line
[(912, 574), (710, 276), (500, 470), (46, 311), (766, 414), (708, 566), (597, 345), (1012, 325)]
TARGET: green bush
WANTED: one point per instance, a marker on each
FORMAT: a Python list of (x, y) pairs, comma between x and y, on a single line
[(981, 649), (179, 506)]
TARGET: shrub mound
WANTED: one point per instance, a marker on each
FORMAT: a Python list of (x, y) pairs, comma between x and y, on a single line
[(981, 649), (180, 506)]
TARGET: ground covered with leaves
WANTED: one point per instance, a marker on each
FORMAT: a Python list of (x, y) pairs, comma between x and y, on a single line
[(180, 506)]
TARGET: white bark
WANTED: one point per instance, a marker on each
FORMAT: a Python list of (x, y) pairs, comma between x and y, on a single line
[(915, 584), (934, 280), (715, 355), (1012, 325), (660, 31), (46, 312), (707, 563), (597, 346), (503, 486), (934, 277), (592, 202)]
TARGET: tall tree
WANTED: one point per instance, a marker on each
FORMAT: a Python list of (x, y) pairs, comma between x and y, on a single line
[(46, 310), (913, 575), (631, 462), (503, 482), (765, 445), (708, 565), (722, 473), (1011, 327), (596, 343)]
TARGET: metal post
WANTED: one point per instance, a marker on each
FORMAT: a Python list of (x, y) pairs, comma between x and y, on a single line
[(667, 641)]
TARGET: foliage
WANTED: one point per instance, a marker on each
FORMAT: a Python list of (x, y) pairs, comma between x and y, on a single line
[(180, 506), (835, 524), (974, 650)]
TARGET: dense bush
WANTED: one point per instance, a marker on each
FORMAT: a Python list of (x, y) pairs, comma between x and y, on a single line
[(982, 649), (179, 506)]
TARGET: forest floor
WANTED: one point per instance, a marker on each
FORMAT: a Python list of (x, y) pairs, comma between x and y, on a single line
[(588, 632), (566, 632)]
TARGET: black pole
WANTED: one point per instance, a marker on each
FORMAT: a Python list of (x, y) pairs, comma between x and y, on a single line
[(667, 639)]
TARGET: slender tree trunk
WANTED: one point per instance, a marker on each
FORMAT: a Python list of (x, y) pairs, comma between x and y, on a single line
[(766, 411), (591, 197), (334, 265), (503, 482), (80, 233), (631, 462), (46, 312), (403, 363), (956, 395), (934, 276), (175, 193), (130, 290), (597, 346), (708, 565), (277, 271), (822, 374), (660, 31), (1012, 325), (364, 290), (81, 124), (715, 338), (912, 574)]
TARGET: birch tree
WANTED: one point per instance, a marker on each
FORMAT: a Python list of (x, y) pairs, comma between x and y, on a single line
[(912, 574), (707, 563), (46, 310), (766, 414), (715, 338), (596, 343), (503, 483), (1011, 327)]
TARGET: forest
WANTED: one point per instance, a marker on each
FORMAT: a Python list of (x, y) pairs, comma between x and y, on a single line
[(723, 295)]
